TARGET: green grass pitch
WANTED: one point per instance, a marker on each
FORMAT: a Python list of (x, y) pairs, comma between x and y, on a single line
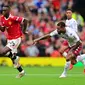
[(42, 76)]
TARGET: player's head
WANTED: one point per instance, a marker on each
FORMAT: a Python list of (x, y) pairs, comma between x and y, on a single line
[(61, 27), (5, 10), (69, 13)]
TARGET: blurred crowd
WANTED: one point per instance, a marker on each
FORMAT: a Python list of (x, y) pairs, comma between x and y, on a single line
[(43, 16)]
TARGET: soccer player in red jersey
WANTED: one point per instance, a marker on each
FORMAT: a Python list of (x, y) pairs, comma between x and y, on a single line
[(12, 24)]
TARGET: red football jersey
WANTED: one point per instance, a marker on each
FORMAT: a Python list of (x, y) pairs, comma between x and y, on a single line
[(13, 27)]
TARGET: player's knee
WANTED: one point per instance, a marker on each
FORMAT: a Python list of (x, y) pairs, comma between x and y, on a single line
[(2, 52), (67, 60), (73, 62)]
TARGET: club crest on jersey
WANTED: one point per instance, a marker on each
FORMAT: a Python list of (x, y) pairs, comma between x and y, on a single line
[(10, 22)]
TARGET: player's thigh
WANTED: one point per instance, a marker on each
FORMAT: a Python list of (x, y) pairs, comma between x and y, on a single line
[(4, 50), (70, 56), (64, 46), (13, 44), (73, 61)]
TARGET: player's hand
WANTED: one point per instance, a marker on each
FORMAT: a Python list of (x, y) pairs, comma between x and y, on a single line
[(26, 32), (73, 61), (2, 28)]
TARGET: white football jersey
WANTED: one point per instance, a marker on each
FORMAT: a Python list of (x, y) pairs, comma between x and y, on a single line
[(72, 24), (70, 35)]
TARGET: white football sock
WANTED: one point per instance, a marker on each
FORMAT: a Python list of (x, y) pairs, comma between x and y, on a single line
[(81, 58), (83, 61), (66, 67)]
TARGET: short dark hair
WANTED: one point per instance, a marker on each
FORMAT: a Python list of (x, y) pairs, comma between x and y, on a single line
[(68, 9), (5, 7), (61, 24)]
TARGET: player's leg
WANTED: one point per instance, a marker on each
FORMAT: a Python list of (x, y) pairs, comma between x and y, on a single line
[(64, 50), (4, 50), (69, 59), (83, 61), (76, 52), (17, 65), (64, 47), (71, 65), (81, 58), (15, 60), (73, 60), (13, 45), (66, 67)]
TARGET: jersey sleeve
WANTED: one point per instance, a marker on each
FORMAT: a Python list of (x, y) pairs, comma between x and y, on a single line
[(53, 33), (18, 19)]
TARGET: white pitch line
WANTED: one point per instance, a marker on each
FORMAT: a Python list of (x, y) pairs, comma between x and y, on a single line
[(31, 74), (53, 75)]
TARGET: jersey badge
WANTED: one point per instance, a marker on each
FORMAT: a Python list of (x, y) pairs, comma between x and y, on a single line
[(10, 22)]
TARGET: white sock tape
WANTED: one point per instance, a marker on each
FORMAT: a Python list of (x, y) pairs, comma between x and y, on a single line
[(64, 54)]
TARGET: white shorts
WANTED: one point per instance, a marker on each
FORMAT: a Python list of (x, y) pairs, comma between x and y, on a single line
[(13, 44)]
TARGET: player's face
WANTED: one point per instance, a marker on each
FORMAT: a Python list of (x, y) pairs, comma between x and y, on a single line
[(69, 14), (60, 30), (5, 11)]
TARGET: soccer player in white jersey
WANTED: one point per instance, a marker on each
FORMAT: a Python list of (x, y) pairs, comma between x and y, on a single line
[(70, 22), (75, 45)]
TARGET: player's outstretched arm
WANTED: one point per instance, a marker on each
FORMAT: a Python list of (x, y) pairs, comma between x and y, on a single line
[(46, 36), (31, 42), (41, 38)]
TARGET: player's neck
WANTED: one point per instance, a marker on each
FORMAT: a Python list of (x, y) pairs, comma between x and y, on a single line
[(69, 18), (7, 16)]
